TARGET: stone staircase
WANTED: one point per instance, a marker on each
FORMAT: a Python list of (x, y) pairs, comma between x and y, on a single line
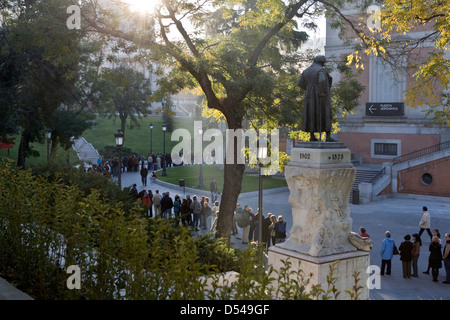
[(85, 151), (363, 175)]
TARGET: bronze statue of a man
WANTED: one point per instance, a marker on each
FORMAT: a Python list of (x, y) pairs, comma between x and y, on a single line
[(317, 115)]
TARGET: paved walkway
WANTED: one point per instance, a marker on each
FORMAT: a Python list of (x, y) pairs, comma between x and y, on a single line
[(398, 215)]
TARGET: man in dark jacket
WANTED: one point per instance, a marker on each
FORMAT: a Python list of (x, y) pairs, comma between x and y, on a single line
[(166, 205), (406, 256), (144, 174)]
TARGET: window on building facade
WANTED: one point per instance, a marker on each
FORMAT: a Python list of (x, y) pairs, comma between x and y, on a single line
[(387, 149)]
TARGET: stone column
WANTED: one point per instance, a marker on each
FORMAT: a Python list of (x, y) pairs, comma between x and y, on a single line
[(320, 177)]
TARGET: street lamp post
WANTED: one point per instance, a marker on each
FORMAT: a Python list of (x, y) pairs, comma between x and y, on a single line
[(48, 136), (200, 177), (164, 173), (151, 138), (262, 154), (119, 143)]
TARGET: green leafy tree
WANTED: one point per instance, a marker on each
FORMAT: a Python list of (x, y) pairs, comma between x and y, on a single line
[(38, 68), (128, 94), (242, 55)]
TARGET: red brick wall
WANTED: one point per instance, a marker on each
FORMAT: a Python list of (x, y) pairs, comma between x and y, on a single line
[(359, 143), (410, 180)]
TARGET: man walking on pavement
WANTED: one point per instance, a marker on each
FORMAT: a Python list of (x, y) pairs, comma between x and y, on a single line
[(425, 222)]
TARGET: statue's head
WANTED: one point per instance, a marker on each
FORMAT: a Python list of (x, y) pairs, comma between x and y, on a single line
[(320, 60)]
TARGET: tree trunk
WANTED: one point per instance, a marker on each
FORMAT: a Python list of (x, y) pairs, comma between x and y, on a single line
[(24, 148), (233, 174)]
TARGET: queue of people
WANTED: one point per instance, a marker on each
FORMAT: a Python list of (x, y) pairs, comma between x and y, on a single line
[(131, 163), (200, 214), (196, 213), (409, 251), (273, 228)]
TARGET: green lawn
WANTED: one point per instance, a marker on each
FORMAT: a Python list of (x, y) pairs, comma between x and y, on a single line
[(191, 174), (42, 149), (138, 140), (102, 134)]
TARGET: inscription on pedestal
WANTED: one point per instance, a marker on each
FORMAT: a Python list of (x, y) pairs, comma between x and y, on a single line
[(321, 156)]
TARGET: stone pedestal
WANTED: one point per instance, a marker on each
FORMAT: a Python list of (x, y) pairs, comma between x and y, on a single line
[(344, 265), (320, 177)]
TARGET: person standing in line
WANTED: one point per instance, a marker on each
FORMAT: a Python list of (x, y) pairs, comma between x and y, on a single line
[(256, 226), (146, 203), (158, 162), (184, 213), (437, 234), (150, 162), (188, 212), (202, 214), (177, 207), (251, 226), (124, 163), (387, 252), (136, 163), (134, 192), (166, 205), (196, 208), (150, 195), (446, 257), (435, 257), (266, 230), (280, 230), (425, 222), (406, 248), (417, 243), (215, 212), (207, 214), (272, 227), (157, 203), (238, 219), (245, 221)]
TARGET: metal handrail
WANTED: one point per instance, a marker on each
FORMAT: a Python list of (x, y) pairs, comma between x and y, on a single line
[(378, 175), (421, 152)]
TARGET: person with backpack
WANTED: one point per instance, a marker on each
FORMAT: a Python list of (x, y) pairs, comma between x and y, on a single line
[(280, 230)]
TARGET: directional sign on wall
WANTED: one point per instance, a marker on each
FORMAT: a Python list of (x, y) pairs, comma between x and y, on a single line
[(383, 109)]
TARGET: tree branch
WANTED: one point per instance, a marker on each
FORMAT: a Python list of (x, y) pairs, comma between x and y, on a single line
[(289, 15)]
